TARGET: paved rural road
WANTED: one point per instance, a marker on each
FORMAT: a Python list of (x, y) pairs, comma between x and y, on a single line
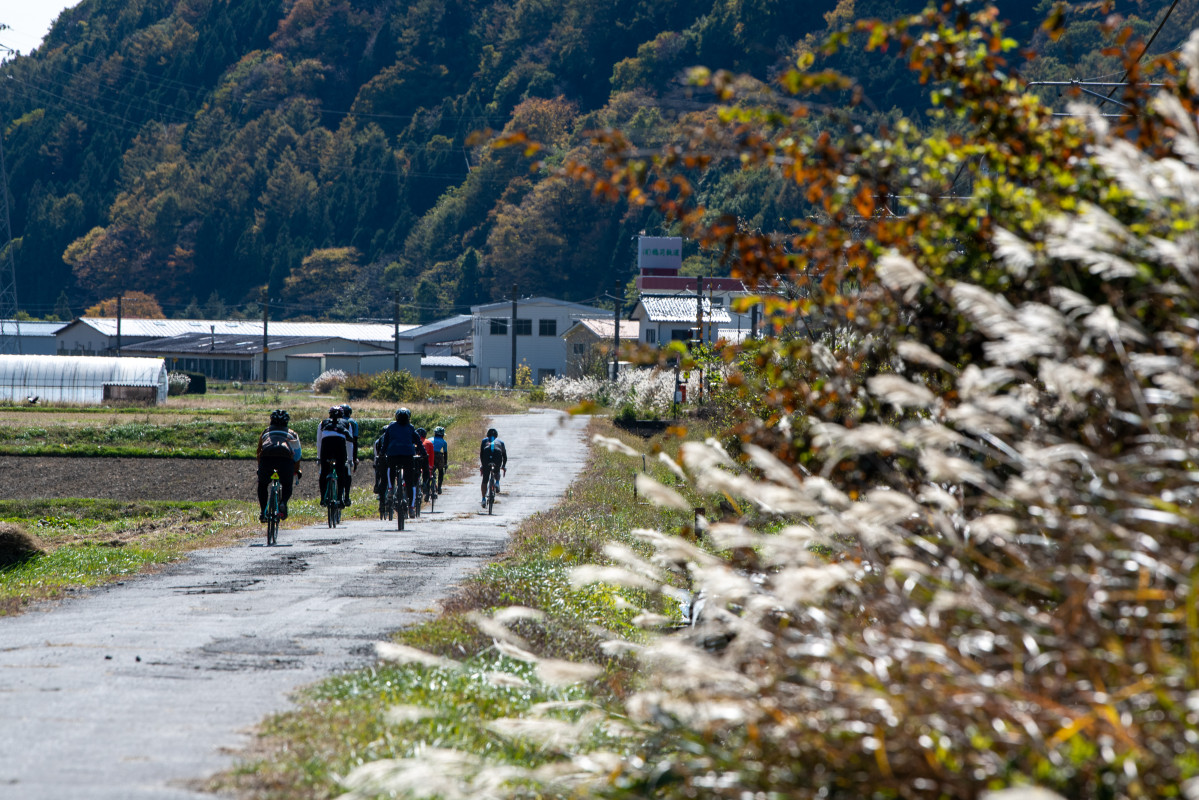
[(139, 691)]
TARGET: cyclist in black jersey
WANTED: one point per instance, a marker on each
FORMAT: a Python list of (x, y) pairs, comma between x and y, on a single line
[(492, 456)]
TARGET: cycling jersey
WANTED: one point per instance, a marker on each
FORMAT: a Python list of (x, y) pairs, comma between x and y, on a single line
[(279, 442), (331, 439), (428, 445), (493, 453), (441, 451), (400, 440)]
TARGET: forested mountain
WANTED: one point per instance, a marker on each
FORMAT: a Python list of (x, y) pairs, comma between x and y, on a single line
[(319, 152)]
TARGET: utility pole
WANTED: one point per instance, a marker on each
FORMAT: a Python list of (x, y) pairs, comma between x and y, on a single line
[(753, 321), (10, 326), (395, 319), (699, 309), (119, 298), (616, 298), (512, 375), (266, 348)]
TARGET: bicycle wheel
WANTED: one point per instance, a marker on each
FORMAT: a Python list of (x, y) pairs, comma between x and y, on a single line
[(432, 497), (272, 514), (490, 496), (401, 514), (383, 505)]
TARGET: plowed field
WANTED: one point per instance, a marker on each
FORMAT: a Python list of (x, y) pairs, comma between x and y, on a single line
[(24, 477)]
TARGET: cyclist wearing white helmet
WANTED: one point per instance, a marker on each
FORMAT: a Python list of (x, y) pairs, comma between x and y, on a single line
[(441, 455)]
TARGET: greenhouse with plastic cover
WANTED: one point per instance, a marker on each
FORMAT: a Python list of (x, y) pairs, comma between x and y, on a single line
[(82, 380)]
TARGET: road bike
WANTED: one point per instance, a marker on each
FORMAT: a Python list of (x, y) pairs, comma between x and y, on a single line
[(397, 500), (418, 498), (273, 501), (492, 487), (332, 496), (431, 493)]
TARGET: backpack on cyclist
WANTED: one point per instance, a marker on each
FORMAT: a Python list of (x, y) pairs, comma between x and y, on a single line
[(274, 444)]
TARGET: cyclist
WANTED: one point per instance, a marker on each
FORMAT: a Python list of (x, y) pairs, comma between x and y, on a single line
[(380, 466), (331, 439), (427, 463), (400, 445), (278, 451), (441, 455), (352, 424), (492, 456)]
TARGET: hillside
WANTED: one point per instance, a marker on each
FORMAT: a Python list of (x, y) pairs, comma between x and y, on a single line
[(319, 152)]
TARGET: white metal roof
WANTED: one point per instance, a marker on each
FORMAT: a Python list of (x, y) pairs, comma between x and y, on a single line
[(681, 309), (603, 328), (33, 327), (161, 328), (535, 301), (444, 361)]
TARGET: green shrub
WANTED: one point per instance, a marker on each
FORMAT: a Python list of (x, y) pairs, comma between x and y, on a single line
[(402, 387)]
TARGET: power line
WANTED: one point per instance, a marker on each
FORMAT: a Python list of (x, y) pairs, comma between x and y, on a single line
[(1144, 50)]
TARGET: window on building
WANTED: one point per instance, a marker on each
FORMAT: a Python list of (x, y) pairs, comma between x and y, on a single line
[(499, 327), (524, 327), (547, 327), (578, 348), (542, 374), (680, 334), (651, 336), (718, 302), (497, 375), (441, 375)]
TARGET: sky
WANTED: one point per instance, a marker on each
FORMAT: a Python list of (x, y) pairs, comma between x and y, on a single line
[(28, 21)]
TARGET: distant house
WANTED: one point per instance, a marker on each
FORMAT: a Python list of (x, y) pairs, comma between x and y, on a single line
[(35, 338), (589, 344), (540, 322), (97, 336), (431, 337), (447, 370), (239, 356), (659, 261), (666, 319)]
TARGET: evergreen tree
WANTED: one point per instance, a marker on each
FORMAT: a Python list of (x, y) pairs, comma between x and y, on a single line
[(428, 301), (62, 307), (469, 291)]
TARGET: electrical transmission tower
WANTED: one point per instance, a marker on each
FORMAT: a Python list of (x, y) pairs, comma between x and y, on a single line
[(10, 328)]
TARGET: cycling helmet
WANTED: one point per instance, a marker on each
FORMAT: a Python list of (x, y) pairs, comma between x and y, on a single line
[(403, 415), (492, 433), (420, 432), (346, 411), (335, 412), (439, 431), (280, 417)]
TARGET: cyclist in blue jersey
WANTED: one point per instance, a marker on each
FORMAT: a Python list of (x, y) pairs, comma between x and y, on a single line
[(492, 456), (400, 445), (441, 455)]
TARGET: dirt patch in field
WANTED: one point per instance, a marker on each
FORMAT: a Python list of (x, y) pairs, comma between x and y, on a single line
[(127, 478)]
